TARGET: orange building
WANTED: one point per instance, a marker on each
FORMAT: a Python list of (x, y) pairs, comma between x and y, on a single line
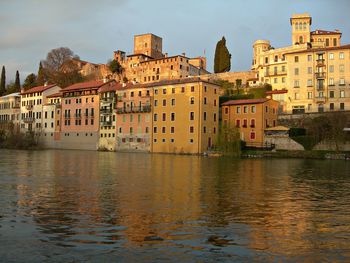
[(251, 117)]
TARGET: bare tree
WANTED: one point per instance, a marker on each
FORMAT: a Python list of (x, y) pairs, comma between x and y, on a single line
[(57, 57)]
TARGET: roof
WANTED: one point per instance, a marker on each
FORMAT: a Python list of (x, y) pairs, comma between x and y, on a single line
[(321, 49), (247, 101), (276, 92), (139, 54), (146, 35), (85, 85), (113, 86), (277, 128), (15, 94), (325, 32), (154, 59), (55, 95), (38, 89)]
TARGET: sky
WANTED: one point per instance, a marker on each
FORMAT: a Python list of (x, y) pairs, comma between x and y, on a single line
[(93, 29)]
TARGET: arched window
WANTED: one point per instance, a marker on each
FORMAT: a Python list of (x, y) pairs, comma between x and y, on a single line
[(296, 26), (301, 40), (304, 25)]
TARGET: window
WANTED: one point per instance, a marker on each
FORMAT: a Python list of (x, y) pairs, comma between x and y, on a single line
[(253, 109), (309, 58), (192, 100), (214, 116), (192, 89), (205, 100), (341, 68), (296, 84), (331, 106), (331, 82), (309, 95), (214, 102), (191, 129), (266, 109), (283, 68), (275, 80), (331, 56), (331, 94), (283, 80), (342, 82), (164, 91), (327, 42), (155, 117), (156, 91), (205, 116), (164, 103), (334, 42), (191, 116), (172, 129), (164, 117), (173, 90), (172, 102), (204, 129), (155, 103), (172, 116), (238, 109), (331, 68), (163, 129), (309, 82), (296, 59), (342, 106), (296, 71), (252, 135), (245, 109), (154, 129), (309, 70), (238, 123), (342, 94), (252, 123), (341, 55)]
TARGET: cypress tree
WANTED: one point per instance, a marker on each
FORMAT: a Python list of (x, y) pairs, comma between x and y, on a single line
[(17, 82), (41, 79), (222, 60), (3, 81)]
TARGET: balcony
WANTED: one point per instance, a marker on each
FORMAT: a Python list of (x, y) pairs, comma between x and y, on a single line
[(106, 123), (29, 120), (320, 88), (134, 109), (29, 107), (320, 62), (106, 111), (275, 73), (105, 100), (320, 75), (320, 99)]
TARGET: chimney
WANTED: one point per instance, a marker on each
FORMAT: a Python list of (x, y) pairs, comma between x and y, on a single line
[(184, 54)]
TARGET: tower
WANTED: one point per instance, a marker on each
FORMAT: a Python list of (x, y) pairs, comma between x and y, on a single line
[(300, 28), (148, 44), (259, 49)]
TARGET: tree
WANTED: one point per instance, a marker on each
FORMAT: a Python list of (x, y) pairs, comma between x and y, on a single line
[(229, 141), (59, 67), (30, 81), (17, 82), (222, 60), (3, 81), (238, 85), (41, 79), (115, 67)]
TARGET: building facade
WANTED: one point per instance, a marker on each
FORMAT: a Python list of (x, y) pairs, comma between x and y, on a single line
[(251, 117), (310, 68), (10, 112), (32, 102)]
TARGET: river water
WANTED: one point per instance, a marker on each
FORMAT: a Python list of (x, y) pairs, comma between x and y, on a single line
[(82, 206)]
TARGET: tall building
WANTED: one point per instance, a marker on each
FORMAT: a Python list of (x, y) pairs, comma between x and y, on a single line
[(314, 69)]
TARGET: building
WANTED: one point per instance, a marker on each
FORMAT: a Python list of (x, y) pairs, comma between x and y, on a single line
[(80, 115), (134, 117), (32, 102), (185, 115), (251, 117), (148, 63), (10, 109), (108, 104), (314, 69)]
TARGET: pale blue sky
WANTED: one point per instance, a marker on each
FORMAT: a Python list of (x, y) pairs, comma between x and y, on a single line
[(94, 29)]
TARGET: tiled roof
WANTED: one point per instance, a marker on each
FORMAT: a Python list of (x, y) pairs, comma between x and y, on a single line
[(38, 89), (85, 85), (324, 32), (55, 95), (247, 101), (113, 86)]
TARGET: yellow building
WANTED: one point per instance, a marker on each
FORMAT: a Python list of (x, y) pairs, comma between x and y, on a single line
[(10, 111), (251, 117), (185, 116), (301, 67)]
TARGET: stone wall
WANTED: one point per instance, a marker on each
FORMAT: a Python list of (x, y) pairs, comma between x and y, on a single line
[(330, 146), (283, 143), (231, 76)]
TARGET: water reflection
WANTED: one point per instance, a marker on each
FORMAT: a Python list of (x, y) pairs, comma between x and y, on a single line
[(187, 207)]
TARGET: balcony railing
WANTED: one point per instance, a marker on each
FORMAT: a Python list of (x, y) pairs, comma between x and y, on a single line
[(275, 73), (320, 62), (320, 75), (107, 99), (320, 99), (29, 120), (134, 109), (106, 123), (106, 111), (29, 107)]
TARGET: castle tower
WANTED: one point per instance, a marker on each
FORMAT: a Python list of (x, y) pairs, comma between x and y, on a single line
[(259, 48), (300, 28), (148, 44)]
